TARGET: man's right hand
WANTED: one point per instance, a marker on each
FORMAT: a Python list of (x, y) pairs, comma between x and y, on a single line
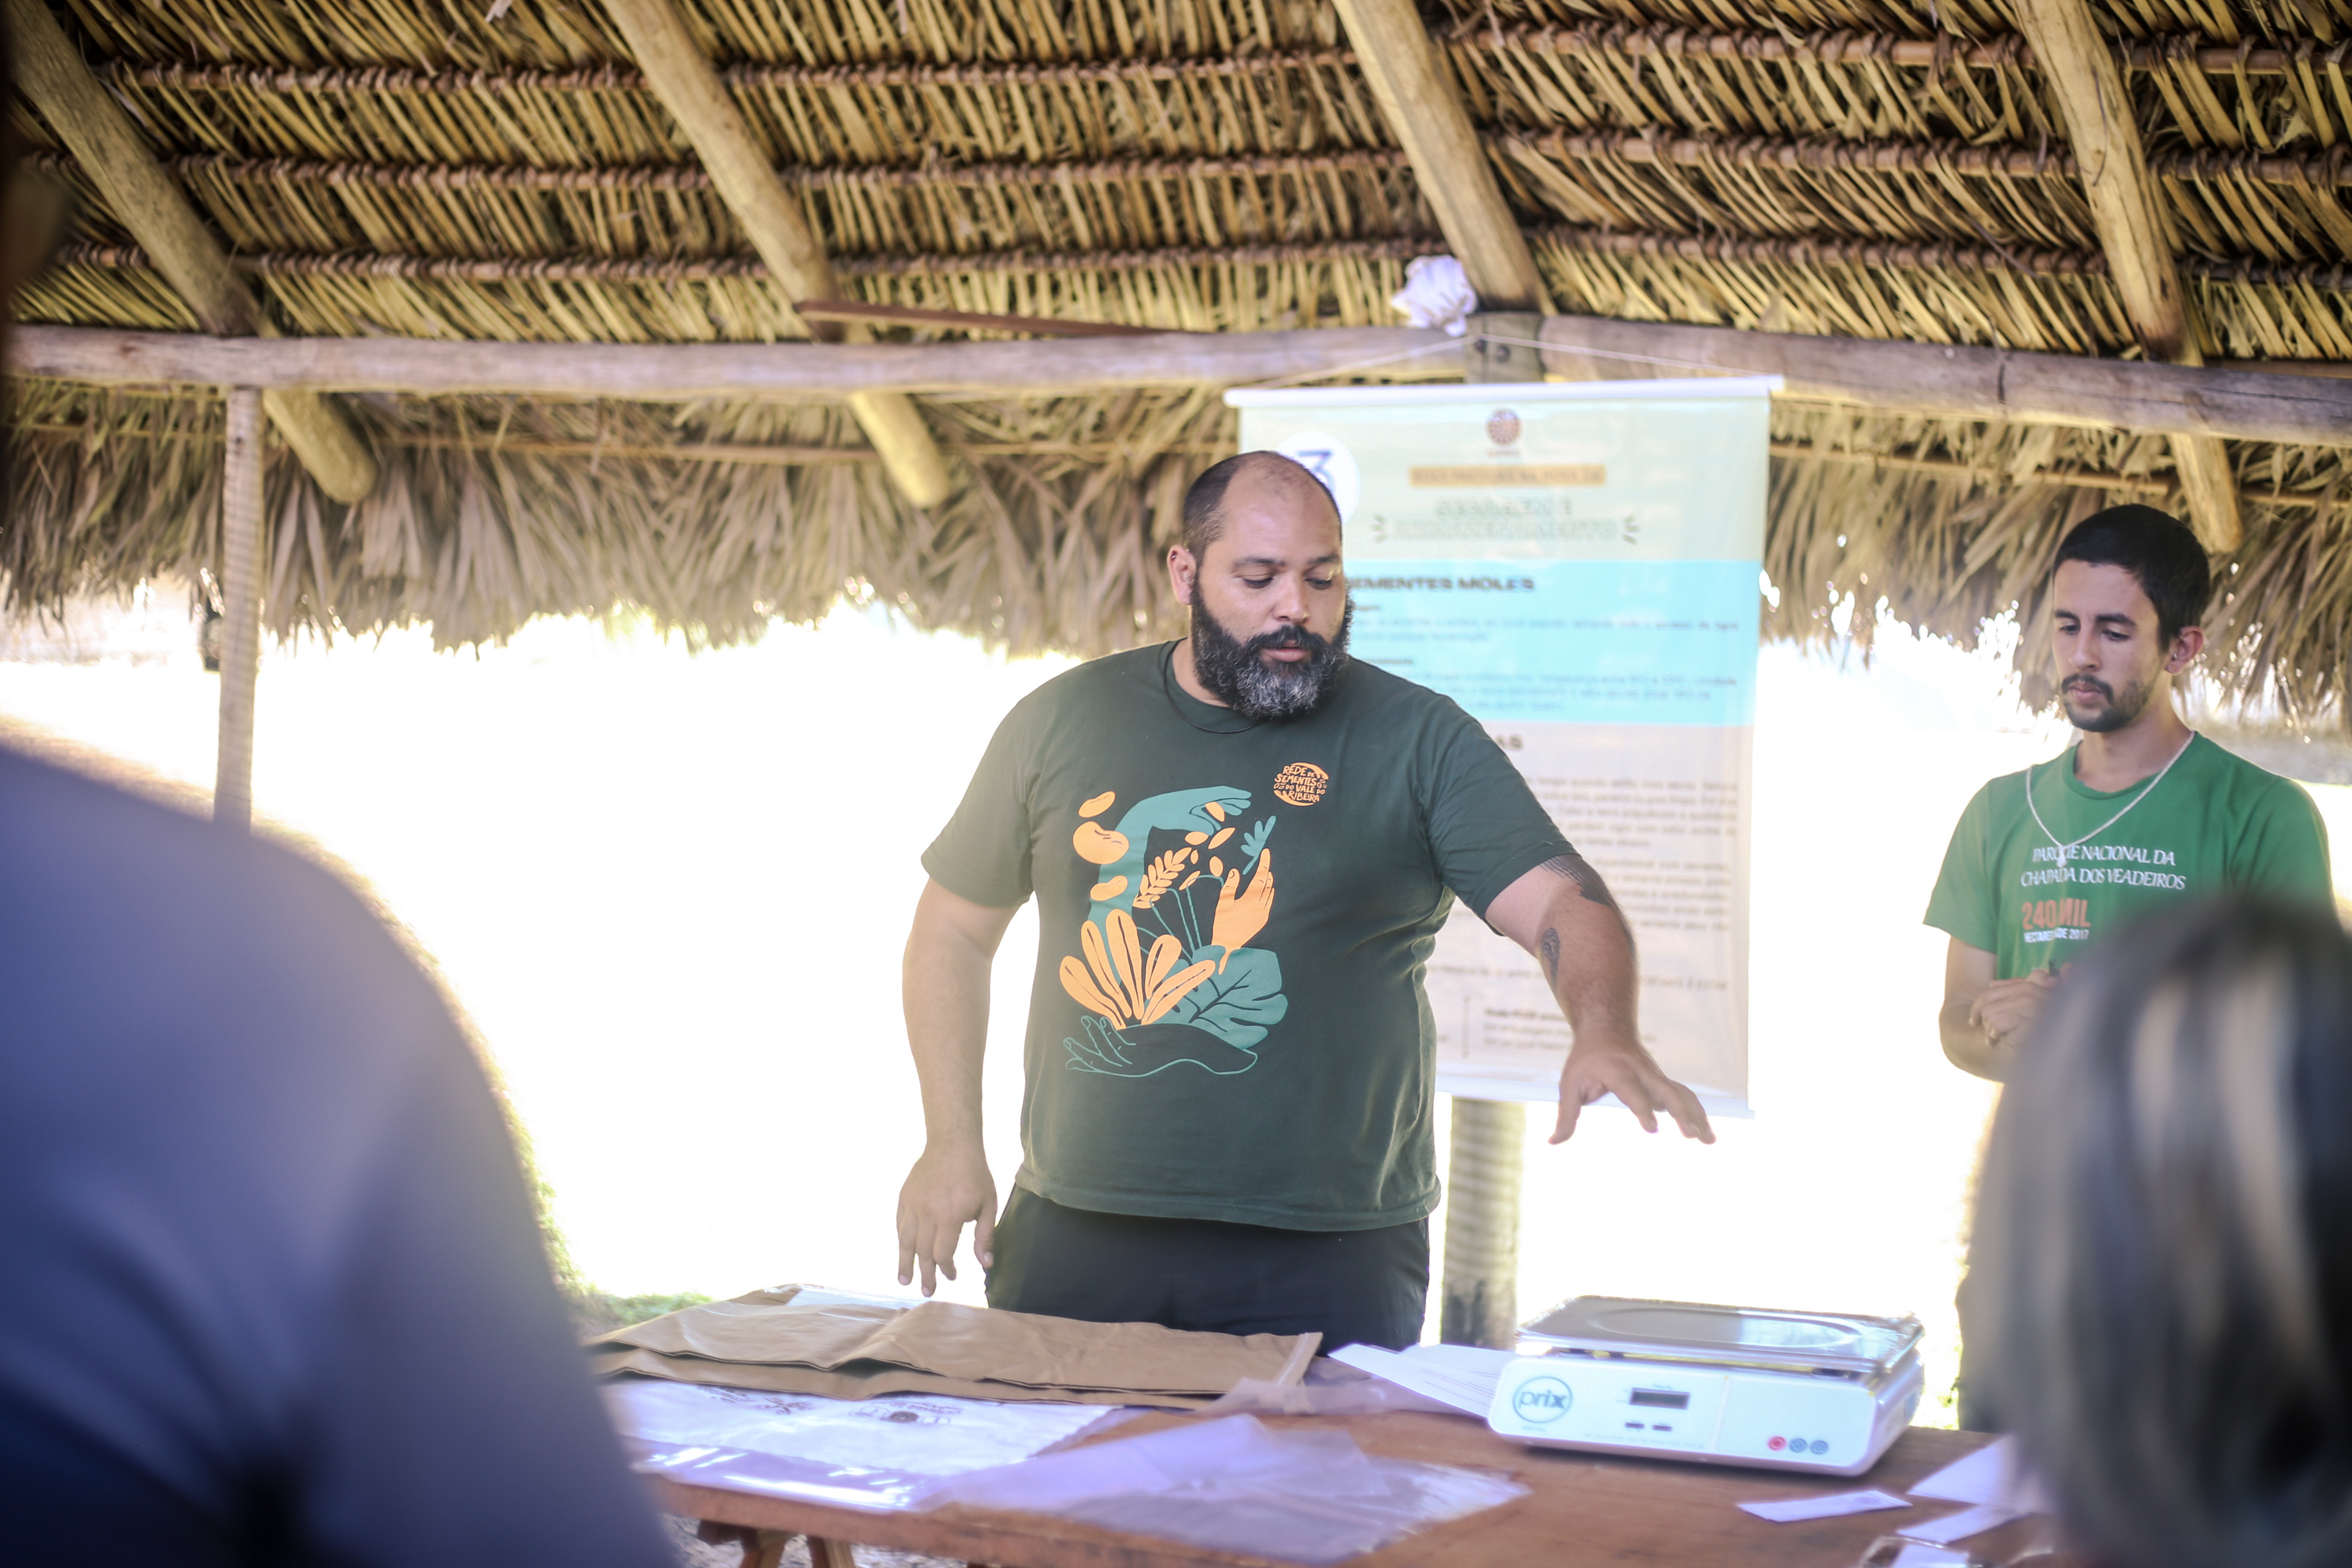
[(2006, 1009), (947, 1188)]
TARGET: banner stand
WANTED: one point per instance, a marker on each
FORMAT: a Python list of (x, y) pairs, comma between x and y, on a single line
[(1579, 565)]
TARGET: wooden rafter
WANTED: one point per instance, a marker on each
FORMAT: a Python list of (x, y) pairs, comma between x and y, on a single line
[(2247, 405), (159, 214), (683, 78), (2079, 64), (1425, 114)]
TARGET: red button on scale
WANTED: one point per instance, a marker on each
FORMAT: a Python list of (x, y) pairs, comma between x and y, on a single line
[(1776, 1444)]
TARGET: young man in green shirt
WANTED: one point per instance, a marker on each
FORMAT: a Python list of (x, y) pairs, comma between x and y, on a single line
[(1243, 845), (2140, 813)]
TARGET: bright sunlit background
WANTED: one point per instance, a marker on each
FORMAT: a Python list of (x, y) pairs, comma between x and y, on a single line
[(671, 889)]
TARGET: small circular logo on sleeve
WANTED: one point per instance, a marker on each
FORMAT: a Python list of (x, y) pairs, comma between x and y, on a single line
[(1542, 1399), (1301, 783)]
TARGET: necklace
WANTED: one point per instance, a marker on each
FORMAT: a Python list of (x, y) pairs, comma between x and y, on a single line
[(1168, 685), (2146, 790)]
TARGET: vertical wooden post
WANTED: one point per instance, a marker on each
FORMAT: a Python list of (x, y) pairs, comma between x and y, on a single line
[(240, 660), (1481, 1300)]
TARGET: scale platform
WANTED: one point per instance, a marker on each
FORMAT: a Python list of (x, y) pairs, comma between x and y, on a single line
[(1820, 1391)]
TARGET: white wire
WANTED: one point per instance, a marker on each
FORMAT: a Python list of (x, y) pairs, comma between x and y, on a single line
[(2110, 821)]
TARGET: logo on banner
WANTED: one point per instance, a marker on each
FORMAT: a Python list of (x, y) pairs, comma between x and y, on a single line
[(1329, 460), (1503, 427)]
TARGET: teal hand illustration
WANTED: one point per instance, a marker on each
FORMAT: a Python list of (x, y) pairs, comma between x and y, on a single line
[(1149, 1048)]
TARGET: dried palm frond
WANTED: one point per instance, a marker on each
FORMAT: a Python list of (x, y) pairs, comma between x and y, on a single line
[(431, 169)]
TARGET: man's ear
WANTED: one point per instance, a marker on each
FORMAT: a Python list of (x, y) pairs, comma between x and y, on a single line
[(1183, 573), (2187, 644)]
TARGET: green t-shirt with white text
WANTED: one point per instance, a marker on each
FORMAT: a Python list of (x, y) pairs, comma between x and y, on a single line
[(1227, 1019), (2030, 894)]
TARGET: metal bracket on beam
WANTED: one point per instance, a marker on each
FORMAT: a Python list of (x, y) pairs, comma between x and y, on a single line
[(1501, 346)]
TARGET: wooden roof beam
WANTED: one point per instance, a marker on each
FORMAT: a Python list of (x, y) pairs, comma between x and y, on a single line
[(683, 78), (1951, 383), (160, 217), (1425, 114), (2079, 64)]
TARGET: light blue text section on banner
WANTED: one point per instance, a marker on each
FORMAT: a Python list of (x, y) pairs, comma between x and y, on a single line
[(1569, 642)]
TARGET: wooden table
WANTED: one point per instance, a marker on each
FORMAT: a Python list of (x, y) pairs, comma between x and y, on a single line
[(1584, 1509)]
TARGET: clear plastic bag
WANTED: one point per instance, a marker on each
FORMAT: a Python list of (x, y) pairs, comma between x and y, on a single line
[(782, 1475), (1233, 1485), (863, 1453)]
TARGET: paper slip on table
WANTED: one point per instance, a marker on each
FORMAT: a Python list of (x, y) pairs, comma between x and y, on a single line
[(1583, 1509)]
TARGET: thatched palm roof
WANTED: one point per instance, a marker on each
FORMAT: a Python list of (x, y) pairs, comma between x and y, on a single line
[(482, 169)]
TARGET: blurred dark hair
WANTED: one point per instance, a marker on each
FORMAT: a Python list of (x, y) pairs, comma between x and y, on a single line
[(1204, 503), (2163, 1242), (2161, 551)]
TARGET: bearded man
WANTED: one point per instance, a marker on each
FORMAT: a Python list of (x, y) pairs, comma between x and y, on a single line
[(1228, 1123), (2140, 813)]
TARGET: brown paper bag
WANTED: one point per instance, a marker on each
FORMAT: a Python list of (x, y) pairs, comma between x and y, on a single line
[(769, 1340)]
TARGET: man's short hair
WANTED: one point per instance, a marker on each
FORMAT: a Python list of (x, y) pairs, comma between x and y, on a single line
[(2160, 553), (1204, 503)]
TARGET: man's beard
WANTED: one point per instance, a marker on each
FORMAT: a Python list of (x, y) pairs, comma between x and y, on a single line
[(1257, 690), (2119, 711)]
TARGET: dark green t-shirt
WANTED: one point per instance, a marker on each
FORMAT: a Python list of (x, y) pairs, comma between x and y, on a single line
[(2214, 821), (1228, 1020)]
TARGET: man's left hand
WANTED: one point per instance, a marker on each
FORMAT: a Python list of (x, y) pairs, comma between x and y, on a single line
[(1623, 1069)]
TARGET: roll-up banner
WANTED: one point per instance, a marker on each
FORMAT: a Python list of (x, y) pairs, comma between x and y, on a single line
[(1579, 565)]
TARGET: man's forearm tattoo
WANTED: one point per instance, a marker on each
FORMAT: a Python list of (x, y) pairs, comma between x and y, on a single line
[(1576, 868)]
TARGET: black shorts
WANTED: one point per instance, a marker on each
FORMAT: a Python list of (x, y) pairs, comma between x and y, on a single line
[(1354, 1287)]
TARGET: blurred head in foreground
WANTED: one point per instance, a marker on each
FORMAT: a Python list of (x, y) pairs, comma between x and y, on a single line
[(2164, 1241)]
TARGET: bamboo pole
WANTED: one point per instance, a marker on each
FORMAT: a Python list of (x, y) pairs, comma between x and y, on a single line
[(1426, 115), (240, 658), (160, 217), (2079, 64), (683, 78)]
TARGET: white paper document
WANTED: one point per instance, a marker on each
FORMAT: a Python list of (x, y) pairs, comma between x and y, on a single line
[(1915, 1554), (917, 1434), (1960, 1526), (1463, 1376), (1789, 1510), (1995, 1473)]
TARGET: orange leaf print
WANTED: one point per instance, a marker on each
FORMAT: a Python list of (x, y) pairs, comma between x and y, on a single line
[(1164, 957), (1196, 839), (1127, 957), (1220, 837), (1090, 942), (1099, 804), (1214, 809), (1159, 875), (1173, 989), (1087, 994), (1109, 889)]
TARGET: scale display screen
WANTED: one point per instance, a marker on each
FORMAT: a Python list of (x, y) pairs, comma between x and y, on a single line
[(1660, 1399)]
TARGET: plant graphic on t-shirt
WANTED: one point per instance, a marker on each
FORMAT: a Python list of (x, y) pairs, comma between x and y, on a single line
[(1161, 984)]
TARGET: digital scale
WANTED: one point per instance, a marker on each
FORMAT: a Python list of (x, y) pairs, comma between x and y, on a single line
[(1718, 1386)]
